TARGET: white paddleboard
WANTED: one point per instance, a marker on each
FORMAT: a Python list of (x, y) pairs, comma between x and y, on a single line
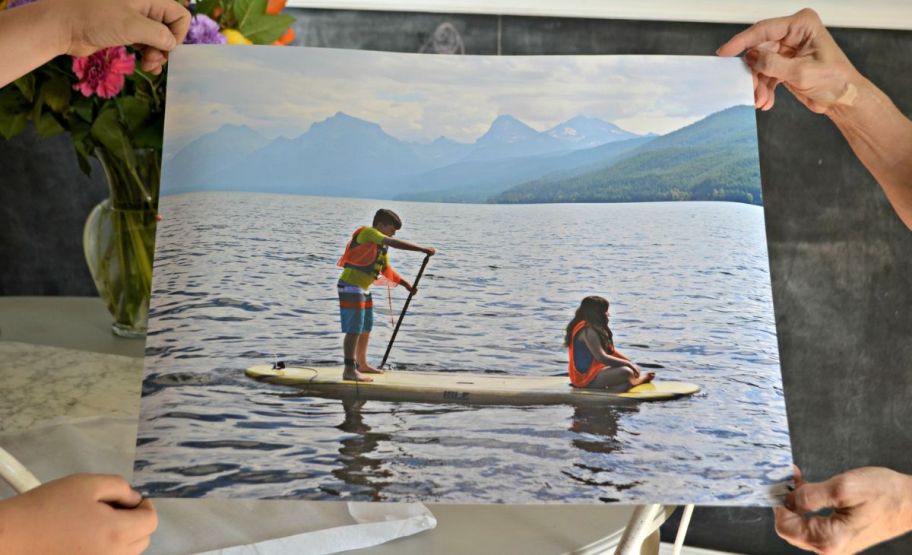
[(456, 387)]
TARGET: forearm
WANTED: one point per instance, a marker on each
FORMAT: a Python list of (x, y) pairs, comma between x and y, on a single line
[(403, 245), (11, 527), (612, 361), (904, 511), (881, 137), (30, 35)]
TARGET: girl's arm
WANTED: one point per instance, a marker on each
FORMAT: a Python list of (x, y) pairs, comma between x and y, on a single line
[(595, 347)]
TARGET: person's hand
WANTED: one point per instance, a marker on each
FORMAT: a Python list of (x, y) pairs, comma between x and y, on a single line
[(87, 26), (636, 370), (430, 251), (800, 53), (870, 505), (77, 514)]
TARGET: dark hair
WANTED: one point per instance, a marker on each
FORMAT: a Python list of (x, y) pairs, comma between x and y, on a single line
[(593, 310), (387, 217)]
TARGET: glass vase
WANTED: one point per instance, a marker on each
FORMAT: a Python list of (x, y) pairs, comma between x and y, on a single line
[(119, 237)]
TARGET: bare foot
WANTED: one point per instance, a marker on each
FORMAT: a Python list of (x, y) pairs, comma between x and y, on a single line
[(355, 376), (644, 378), (368, 369)]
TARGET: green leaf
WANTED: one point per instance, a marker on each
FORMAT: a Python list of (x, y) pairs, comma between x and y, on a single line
[(135, 112), (26, 85), (108, 131), (12, 102), (206, 7), (37, 107), (150, 136), (14, 111), (12, 125), (82, 156), (79, 129), (141, 85), (83, 108), (266, 29), (48, 125), (56, 92), (246, 10)]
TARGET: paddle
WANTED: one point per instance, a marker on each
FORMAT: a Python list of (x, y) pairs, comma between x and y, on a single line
[(404, 308)]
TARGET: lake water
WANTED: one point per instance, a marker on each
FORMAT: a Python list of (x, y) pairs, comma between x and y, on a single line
[(240, 277)]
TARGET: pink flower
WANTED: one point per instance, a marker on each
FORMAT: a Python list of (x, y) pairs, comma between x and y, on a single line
[(103, 72)]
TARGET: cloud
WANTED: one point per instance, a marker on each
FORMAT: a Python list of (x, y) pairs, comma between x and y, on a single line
[(282, 91)]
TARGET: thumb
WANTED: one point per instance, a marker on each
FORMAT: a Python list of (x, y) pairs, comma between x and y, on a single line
[(110, 488), (774, 65), (810, 498), (142, 30)]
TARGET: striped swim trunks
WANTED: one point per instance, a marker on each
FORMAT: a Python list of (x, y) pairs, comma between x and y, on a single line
[(356, 308)]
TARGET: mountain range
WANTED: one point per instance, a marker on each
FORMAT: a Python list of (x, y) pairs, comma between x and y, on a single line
[(511, 162), (348, 156), (715, 158)]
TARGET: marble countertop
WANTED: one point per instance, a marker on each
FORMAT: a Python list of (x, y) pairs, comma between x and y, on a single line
[(41, 383)]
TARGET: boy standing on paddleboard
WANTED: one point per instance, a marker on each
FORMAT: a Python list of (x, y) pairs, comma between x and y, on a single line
[(365, 259)]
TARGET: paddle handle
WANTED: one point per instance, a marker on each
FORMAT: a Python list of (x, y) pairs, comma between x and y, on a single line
[(408, 301)]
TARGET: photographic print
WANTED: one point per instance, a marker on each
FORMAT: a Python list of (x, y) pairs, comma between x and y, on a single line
[(467, 279)]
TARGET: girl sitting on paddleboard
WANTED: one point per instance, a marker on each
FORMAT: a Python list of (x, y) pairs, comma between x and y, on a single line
[(593, 360)]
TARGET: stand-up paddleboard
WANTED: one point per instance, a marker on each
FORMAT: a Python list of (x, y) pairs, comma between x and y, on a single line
[(476, 389)]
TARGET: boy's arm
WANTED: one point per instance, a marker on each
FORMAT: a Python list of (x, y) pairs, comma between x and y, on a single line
[(389, 273), (408, 246)]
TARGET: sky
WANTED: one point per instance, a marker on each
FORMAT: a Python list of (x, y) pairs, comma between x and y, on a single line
[(420, 97)]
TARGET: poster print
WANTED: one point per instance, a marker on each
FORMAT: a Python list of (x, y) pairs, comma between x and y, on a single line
[(584, 236)]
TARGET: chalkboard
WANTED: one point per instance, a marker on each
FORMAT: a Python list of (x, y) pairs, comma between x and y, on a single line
[(841, 261), (44, 202)]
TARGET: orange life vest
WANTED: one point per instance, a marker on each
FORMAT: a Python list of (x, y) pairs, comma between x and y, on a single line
[(581, 378), (363, 257)]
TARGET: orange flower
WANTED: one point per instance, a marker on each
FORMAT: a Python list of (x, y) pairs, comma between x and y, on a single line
[(274, 7), (286, 38)]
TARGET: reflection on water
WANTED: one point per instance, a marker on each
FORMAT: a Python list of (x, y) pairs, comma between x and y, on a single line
[(595, 429), (242, 277), (601, 422), (357, 468)]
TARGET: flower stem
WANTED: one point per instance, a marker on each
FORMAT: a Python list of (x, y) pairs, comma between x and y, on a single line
[(153, 86)]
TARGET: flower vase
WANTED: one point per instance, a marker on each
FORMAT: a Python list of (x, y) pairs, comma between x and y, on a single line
[(119, 237)]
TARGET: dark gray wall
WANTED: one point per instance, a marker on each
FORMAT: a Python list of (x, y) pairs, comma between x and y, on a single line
[(44, 202), (841, 261)]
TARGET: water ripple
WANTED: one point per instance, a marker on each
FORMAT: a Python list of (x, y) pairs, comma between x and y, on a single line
[(229, 293)]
